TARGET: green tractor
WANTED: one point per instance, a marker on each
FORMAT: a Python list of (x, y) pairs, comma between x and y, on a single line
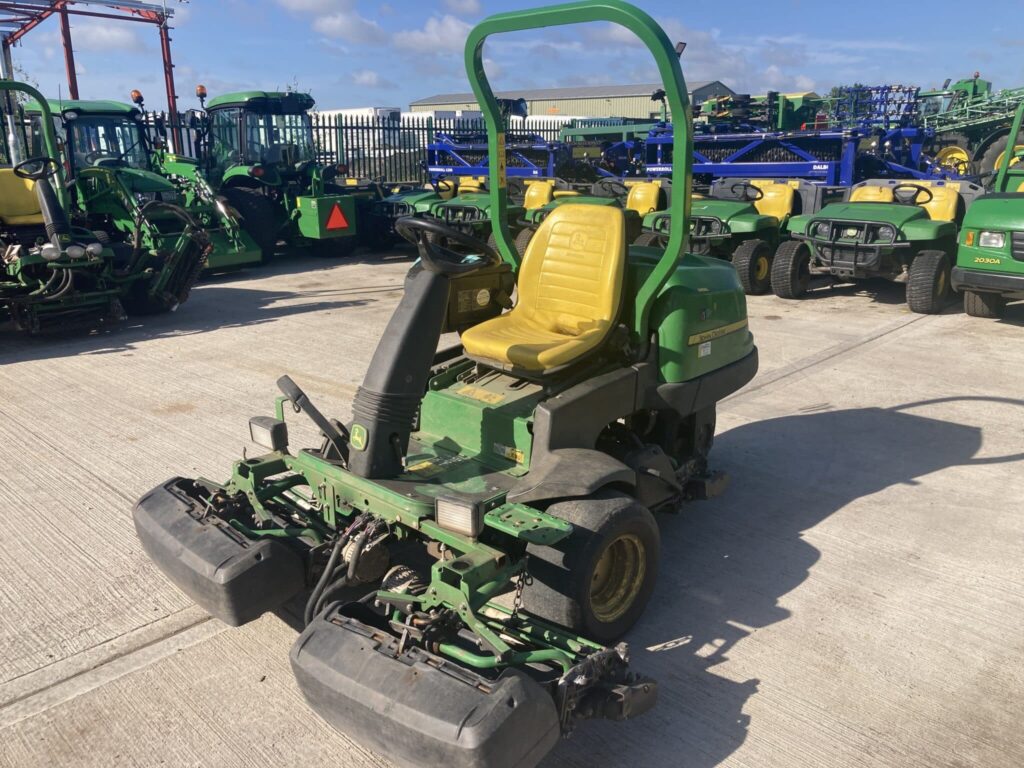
[(56, 273), (743, 221), (116, 171), (512, 476), (990, 257), (257, 150), (891, 228)]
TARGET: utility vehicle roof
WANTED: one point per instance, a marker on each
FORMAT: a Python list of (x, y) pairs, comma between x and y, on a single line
[(102, 107), (278, 102)]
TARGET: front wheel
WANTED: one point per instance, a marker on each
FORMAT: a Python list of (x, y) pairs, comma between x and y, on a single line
[(928, 285), (753, 262), (984, 304), (523, 240), (791, 270), (648, 239), (597, 581)]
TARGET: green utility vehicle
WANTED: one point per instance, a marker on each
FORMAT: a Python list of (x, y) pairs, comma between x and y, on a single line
[(116, 171), (471, 210), (743, 221), (54, 273), (401, 202), (257, 150), (891, 228), (990, 257), (522, 465)]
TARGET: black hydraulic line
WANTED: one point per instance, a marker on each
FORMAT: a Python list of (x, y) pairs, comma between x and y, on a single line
[(350, 575), (324, 578)]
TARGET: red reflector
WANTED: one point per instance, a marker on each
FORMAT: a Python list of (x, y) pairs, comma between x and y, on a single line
[(337, 219)]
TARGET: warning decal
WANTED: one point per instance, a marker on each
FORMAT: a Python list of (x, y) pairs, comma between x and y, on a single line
[(337, 219)]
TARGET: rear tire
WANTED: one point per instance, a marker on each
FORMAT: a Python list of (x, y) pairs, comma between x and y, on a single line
[(597, 581), (791, 270), (523, 240), (928, 284), (259, 216), (984, 304), (753, 262)]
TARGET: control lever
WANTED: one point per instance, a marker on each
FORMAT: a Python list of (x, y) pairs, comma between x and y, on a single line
[(335, 433)]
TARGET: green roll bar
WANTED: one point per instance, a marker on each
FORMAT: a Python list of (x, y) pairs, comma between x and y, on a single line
[(45, 126), (1005, 169), (657, 42)]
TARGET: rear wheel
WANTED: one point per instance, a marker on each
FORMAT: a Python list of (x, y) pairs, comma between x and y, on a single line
[(984, 304), (753, 263), (928, 286), (523, 240), (597, 581), (791, 270), (259, 216)]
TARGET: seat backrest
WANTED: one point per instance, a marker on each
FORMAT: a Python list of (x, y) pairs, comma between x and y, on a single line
[(777, 199), (943, 205), (871, 194), (644, 198), (1020, 187), (571, 277), (538, 194), (18, 202), (472, 184)]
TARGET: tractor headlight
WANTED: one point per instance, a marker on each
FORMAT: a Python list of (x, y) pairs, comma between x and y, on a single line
[(94, 249), (49, 252), (714, 226), (269, 432), (991, 239), (76, 252), (459, 515), (886, 233), (820, 230)]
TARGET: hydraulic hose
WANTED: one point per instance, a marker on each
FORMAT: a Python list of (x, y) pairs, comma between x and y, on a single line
[(324, 578), (350, 575)]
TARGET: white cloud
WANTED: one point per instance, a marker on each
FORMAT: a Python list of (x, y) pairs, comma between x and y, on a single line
[(440, 35), (316, 6), (96, 36), (367, 78), (350, 27), (465, 7)]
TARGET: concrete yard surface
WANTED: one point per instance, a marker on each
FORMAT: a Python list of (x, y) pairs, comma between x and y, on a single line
[(855, 598)]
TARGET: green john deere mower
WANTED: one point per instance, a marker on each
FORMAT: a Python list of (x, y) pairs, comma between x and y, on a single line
[(990, 256), (117, 171), (258, 152), (58, 270), (891, 228), (522, 466)]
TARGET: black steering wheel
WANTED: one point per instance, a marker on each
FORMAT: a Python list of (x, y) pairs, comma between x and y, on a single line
[(611, 186), (748, 190), (436, 183), (906, 194), (48, 167), (439, 258)]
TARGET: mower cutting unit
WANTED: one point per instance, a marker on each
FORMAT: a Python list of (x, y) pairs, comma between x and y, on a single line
[(257, 150), (990, 257), (522, 465), (123, 182), (900, 230), (54, 272)]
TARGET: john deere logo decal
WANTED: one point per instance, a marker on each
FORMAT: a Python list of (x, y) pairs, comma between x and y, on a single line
[(358, 437)]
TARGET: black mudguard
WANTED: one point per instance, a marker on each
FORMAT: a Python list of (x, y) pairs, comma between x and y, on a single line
[(414, 707), (232, 577)]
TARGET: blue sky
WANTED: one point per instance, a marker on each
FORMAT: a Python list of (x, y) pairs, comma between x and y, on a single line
[(362, 53)]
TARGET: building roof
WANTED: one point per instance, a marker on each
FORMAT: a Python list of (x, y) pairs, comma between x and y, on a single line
[(579, 92)]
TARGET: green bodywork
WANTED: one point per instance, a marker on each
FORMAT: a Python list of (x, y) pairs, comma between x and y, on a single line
[(717, 227), (110, 191), (472, 212), (996, 268), (263, 141), (83, 281)]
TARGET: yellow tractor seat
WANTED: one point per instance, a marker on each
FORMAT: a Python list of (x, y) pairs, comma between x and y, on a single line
[(777, 199), (644, 198), (538, 194), (19, 206), (943, 205), (871, 194), (570, 289)]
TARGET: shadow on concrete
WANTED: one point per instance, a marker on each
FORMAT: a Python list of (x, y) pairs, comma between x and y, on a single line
[(726, 564), (876, 289)]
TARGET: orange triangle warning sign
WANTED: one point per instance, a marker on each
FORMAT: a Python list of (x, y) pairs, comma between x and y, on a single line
[(337, 219)]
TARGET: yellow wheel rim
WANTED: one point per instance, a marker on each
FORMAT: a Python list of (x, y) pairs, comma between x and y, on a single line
[(761, 268), (1017, 150), (617, 578), (941, 283), (955, 158)]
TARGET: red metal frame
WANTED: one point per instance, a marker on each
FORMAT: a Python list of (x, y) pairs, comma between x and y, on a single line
[(29, 14)]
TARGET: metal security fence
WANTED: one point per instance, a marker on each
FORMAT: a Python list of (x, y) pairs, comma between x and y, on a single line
[(372, 147)]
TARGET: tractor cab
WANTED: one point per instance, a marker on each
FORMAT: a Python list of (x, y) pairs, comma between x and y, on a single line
[(990, 252)]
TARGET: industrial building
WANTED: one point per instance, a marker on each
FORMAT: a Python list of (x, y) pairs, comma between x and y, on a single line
[(590, 101)]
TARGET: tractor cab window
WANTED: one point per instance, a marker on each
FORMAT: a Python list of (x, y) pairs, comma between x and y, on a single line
[(935, 105), (14, 127), (105, 140), (225, 147), (286, 139)]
